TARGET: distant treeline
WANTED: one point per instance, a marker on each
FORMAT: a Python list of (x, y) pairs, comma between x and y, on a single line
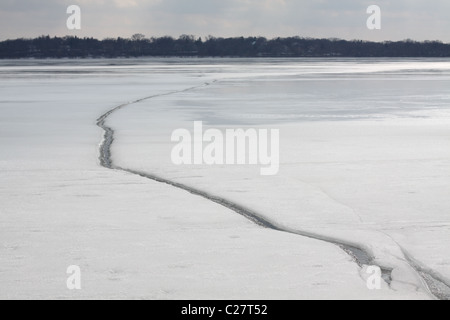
[(190, 46)]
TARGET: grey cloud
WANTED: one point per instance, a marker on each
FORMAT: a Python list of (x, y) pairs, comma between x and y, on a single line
[(402, 19)]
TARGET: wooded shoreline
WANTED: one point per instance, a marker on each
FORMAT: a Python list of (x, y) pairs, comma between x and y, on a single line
[(190, 46)]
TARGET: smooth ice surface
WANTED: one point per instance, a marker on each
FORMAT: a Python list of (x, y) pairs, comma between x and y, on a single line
[(364, 159)]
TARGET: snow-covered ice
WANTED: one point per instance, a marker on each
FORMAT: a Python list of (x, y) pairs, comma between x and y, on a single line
[(364, 160)]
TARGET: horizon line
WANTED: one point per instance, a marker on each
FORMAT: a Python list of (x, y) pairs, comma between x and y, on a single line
[(204, 38)]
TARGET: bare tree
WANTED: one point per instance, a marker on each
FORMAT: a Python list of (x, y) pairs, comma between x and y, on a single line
[(138, 37)]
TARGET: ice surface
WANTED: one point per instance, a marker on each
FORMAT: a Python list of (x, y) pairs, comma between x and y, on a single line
[(365, 160)]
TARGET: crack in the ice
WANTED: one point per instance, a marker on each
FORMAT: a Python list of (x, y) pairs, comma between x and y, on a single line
[(436, 284), (339, 202), (359, 255)]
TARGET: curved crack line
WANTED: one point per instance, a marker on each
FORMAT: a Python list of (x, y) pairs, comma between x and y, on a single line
[(108, 137), (437, 284), (358, 254)]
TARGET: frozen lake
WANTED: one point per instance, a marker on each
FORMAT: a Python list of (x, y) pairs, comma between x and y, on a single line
[(364, 162)]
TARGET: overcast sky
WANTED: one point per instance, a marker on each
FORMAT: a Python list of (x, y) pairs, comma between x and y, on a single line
[(401, 19)]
